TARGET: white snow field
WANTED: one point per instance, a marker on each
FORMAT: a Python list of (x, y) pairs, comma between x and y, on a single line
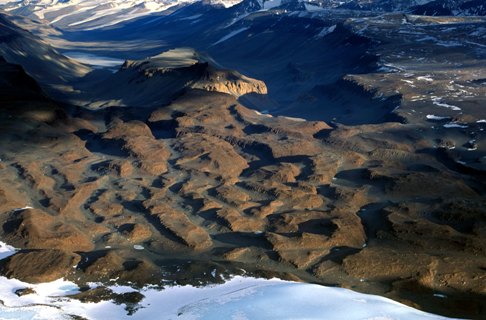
[(239, 298)]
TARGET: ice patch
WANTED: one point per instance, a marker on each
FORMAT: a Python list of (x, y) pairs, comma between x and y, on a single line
[(94, 60), (138, 247)]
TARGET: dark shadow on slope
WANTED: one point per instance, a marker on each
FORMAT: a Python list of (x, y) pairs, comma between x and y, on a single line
[(344, 102), (453, 303)]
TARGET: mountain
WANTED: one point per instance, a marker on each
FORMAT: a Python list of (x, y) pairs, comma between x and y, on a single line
[(451, 8), (92, 14), (381, 5), (95, 14), (297, 54), (421, 7), (159, 79)]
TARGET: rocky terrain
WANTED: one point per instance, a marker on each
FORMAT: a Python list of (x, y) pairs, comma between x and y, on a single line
[(161, 173)]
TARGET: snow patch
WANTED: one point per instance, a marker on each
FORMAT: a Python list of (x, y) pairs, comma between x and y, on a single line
[(22, 209), (436, 118), (293, 119), (425, 78)]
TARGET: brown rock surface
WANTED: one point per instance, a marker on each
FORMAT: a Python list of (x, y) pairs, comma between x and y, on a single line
[(39, 266), (180, 226), (35, 229), (207, 180)]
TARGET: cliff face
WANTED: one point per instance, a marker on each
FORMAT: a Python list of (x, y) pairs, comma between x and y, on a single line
[(230, 82)]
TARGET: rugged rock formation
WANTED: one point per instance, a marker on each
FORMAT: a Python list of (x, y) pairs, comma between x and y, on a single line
[(158, 80)]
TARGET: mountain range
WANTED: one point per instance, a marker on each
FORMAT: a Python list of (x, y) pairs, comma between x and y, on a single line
[(95, 14)]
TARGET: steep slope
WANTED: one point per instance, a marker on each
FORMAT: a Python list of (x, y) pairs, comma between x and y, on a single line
[(46, 65), (16, 85), (22, 102)]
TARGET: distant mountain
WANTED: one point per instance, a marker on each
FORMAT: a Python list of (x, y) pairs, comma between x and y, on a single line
[(381, 5), (96, 14), (92, 14), (420, 7), (451, 8)]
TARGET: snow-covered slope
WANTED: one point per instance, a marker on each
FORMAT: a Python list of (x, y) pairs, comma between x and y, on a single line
[(95, 14), (238, 298), (92, 14)]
